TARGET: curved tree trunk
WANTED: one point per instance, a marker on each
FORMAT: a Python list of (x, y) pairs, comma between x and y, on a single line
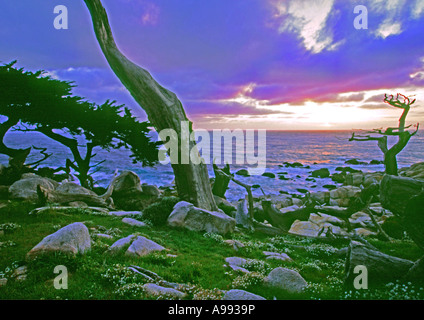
[(162, 106)]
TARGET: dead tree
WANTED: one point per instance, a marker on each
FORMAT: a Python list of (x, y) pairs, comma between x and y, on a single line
[(221, 182), (162, 107), (401, 132)]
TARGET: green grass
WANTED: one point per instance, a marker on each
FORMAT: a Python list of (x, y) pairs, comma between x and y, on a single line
[(199, 261)]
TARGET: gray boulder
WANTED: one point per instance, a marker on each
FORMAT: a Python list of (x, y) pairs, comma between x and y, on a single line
[(121, 244), (126, 181), (72, 239), (142, 246), (241, 295), (186, 215), (26, 189), (286, 280), (73, 188), (133, 222)]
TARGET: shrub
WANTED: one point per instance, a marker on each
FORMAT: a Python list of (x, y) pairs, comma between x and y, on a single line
[(158, 212)]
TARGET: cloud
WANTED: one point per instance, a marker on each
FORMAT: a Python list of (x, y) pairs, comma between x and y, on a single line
[(150, 15), (389, 28), (308, 20)]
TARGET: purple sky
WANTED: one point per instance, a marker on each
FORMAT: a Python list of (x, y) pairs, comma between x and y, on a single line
[(262, 64)]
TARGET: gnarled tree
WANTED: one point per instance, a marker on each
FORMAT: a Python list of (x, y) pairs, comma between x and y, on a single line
[(162, 106), (401, 132), (47, 106)]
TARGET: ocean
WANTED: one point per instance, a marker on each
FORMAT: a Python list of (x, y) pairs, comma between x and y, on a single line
[(317, 149)]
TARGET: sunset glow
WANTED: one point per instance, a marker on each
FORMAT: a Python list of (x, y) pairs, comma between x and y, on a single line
[(275, 64)]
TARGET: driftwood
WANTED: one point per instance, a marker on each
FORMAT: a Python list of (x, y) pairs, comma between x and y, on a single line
[(381, 268), (221, 182), (36, 211), (242, 215), (50, 196), (284, 220), (46, 196), (266, 229), (248, 190), (405, 198)]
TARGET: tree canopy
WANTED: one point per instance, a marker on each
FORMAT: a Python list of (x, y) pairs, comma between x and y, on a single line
[(34, 101)]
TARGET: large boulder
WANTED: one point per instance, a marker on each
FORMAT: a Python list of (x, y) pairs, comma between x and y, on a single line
[(72, 239), (342, 196), (305, 228), (26, 189), (128, 192), (73, 188), (142, 246), (125, 182), (186, 215), (286, 280)]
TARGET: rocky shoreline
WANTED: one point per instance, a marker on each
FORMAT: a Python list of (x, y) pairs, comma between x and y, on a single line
[(327, 215)]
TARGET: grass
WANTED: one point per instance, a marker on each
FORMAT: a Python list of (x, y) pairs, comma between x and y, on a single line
[(193, 258)]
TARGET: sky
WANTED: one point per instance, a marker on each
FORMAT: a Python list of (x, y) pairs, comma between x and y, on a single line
[(248, 64)]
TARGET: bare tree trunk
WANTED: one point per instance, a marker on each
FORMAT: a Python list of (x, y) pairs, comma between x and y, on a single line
[(381, 267), (162, 106)]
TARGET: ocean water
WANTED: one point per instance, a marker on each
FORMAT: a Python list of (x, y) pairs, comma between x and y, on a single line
[(317, 149)]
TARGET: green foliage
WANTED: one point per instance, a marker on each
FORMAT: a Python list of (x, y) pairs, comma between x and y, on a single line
[(34, 101), (157, 213)]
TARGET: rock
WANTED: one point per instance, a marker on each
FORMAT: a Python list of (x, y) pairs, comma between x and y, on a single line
[(154, 290), (104, 236), (345, 192), (151, 190), (78, 204), (293, 165), (321, 173), (142, 246), (20, 274), (72, 239), (363, 232), (26, 189), (338, 177), (237, 264), (277, 256), (323, 218), (243, 172), (126, 213), (127, 180), (305, 228), (268, 175), (415, 171), (121, 244), (286, 280), (355, 162), (186, 215), (3, 282), (225, 205), (235, 244), (128, 194), (70, 187), (354, 179), (360, 219), (322, 197), (236, 294), (133, 222)]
